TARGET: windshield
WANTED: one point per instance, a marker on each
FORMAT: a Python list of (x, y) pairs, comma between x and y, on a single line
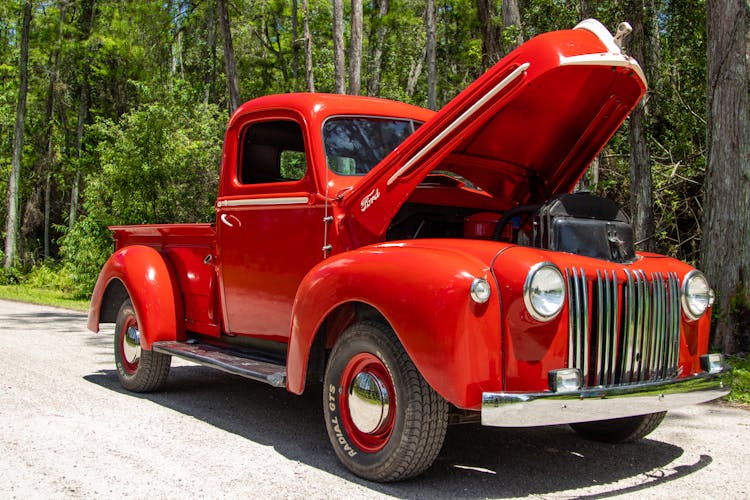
[(354, 145)]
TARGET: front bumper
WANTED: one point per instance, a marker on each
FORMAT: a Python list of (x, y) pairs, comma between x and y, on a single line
[(501, 409)]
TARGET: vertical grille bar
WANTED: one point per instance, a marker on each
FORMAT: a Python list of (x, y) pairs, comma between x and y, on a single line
[(657, 319), (630, 316), (584, 297), (674, 321), (601, 355), (573, 318), (578, 343), (630, 337), (613, 313), (646, 334)]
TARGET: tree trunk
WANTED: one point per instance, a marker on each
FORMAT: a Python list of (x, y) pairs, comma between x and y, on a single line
[(355, 49), (652, 61), (641, 196), (230, 66), (415, 71), (373, 87), (431, 47), (339, 75), (492, 36), (725, 244), (87, 21), (49, 160), (512, 21), (309, 77), (209, 78), (11, 220), (295, 43), (586, 10)]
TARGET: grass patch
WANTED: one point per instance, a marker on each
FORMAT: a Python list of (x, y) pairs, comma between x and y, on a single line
[(27, 293), (741, 379)]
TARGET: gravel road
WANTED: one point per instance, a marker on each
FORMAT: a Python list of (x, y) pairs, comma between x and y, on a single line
[(67, 430)]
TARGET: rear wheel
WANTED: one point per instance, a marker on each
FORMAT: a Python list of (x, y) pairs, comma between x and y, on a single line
[(384, 421), (620, 430), (138, 369)]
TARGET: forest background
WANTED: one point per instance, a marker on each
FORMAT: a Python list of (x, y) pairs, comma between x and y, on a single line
[(113, 112)]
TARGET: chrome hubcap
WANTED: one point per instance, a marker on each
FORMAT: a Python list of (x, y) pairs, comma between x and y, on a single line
[(368, 402), (131, 345)]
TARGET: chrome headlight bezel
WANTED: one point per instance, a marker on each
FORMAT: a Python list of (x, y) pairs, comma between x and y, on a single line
[(695, 302), (480, 291), (544, 307)]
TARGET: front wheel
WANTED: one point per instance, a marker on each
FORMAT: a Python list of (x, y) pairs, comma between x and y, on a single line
[(620, 430), (384, 421), (139, 370)]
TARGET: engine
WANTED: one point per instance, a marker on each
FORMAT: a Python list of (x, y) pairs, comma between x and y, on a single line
[(584, 224)]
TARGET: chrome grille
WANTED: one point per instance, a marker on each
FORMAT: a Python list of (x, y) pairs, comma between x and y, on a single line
[(623, 331)]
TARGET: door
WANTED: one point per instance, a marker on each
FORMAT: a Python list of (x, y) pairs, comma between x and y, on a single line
[(270, 229)]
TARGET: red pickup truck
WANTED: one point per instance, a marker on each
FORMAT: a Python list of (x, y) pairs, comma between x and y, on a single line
[(428, 268)]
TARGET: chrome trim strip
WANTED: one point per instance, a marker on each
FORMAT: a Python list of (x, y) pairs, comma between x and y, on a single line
[(249, 202), (464, 116), (537, 409)]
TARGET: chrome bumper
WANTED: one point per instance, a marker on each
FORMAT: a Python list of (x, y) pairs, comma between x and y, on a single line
[(502, 409)]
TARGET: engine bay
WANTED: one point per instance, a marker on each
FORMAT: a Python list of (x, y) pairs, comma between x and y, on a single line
[(580, 223)]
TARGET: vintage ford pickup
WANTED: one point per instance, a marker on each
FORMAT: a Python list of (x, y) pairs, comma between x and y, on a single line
[(427, 267)]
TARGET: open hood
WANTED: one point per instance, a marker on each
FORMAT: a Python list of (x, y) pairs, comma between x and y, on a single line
[(534, 121)]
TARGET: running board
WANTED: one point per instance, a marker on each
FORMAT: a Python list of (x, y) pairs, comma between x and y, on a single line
[(226, 360)]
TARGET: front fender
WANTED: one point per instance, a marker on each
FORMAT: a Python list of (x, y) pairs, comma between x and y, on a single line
[(424, 295), (150, 281)]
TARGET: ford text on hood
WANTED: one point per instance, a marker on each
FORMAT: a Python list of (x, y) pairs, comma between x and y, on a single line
[(427, 268)]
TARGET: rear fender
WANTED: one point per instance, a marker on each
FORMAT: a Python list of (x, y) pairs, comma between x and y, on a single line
[(424, 295), (151, 283)]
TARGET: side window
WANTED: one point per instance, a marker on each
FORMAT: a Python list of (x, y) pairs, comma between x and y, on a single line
[(272, 151)]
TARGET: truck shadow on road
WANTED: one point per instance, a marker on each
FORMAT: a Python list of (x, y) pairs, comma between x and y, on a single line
[(475, 461)]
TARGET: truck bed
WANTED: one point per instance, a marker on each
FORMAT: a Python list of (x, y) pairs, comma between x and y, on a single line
[(190, 250)]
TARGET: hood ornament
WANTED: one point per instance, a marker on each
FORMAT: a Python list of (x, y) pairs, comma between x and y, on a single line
[(623, 30)]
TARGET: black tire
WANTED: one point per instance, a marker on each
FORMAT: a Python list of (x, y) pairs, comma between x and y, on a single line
[(620, 430), (139, 370), (405, 440)]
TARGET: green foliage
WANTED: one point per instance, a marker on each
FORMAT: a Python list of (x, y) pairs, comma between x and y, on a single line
[(10, 276), (27, 293), (740, 379), (158, 164), (84, 250)]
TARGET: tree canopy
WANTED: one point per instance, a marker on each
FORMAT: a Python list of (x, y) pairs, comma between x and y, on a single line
[(126, 101)]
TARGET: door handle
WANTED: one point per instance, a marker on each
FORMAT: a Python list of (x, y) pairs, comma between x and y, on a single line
[(225, 219)]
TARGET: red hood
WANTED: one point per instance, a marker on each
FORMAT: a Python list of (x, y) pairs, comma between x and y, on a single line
[(534, 122)]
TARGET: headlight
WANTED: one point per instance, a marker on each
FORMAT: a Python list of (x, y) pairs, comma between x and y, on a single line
[(544, 291), (697, 296)]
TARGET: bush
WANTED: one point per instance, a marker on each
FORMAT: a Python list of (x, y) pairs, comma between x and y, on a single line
[(84, 249), (740, 379), (158, 164)]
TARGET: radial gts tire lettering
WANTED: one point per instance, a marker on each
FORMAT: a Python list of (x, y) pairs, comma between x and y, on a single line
[(384, 421), (139, 370)]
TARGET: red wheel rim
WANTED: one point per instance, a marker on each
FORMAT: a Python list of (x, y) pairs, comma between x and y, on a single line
[(129, 345), (374, 435)]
